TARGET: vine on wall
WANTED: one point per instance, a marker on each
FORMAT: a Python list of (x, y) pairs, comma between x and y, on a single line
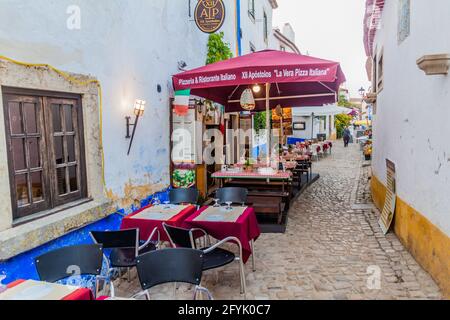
[(218, 49)]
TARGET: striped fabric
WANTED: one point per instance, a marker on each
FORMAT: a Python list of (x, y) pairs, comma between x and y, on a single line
[(181, 102)]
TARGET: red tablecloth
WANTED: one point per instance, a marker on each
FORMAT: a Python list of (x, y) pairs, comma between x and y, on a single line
[(246, 229), (280, 175), (146, 227), (82, 294)]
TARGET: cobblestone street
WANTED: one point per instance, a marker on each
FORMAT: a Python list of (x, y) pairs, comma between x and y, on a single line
[(332, 244)]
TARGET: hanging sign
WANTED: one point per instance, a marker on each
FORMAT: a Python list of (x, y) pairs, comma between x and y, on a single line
[(387, 216), (209, 15)]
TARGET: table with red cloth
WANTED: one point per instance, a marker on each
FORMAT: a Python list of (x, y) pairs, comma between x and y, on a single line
[(246, 229), (146, 226), (81, 294)]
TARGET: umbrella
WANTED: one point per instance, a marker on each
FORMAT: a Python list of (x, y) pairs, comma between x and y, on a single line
[(290, 79)]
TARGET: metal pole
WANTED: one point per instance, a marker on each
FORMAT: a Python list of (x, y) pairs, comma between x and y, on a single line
[(268, 115), (312, 126)]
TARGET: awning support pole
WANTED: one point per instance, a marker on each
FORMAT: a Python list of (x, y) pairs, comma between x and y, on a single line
[(329, 94), (268, 116)]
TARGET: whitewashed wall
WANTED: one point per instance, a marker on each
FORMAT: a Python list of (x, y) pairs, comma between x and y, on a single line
[(411, 126), (131, 47)]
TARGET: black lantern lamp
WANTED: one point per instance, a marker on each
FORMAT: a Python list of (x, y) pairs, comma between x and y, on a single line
[(139, 109), (362, 92)]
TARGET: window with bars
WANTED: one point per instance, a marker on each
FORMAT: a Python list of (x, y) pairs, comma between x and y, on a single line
[(265, 28), (251, 9), (44, 133), (404, 20)]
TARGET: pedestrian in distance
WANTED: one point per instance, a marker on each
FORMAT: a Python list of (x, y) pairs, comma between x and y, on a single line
[(347, 136)]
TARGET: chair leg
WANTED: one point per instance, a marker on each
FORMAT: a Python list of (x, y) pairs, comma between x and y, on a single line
[(242, 277), (201, 290), (129, 275), (111, 289)]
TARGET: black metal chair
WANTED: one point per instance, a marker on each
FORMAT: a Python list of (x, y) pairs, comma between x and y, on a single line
[(182, 196), (171, 266), (214, 256), (125, 246), (233, 195), (72, 262)]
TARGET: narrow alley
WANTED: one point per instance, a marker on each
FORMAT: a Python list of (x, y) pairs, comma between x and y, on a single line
[(333, 248)]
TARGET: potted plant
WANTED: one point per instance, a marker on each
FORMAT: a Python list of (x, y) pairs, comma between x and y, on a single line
[(248, 165), (368, 151)]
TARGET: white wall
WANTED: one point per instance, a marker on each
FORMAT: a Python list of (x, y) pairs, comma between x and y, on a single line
[(320, 127), (303, 134), (130, 47), (252, 30), (411, 126)]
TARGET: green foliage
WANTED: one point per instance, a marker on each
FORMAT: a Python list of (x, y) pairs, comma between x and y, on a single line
[(343, 102), (218, 50), (342, 121), (260, 121)]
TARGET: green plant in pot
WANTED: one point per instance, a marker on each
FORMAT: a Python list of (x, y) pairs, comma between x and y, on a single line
[(248, 165)]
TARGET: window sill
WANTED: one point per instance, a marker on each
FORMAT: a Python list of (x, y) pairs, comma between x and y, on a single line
[(26, 236), (43, 214)]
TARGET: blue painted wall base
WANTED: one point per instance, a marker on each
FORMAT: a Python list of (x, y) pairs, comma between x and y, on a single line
[(22, 266)]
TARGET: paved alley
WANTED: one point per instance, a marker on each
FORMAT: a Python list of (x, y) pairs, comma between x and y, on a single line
[(333, 248)]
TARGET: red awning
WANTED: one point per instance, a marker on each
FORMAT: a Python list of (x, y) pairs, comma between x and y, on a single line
[(296, 80)]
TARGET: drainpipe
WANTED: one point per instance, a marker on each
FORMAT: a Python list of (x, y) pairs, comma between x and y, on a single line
[(238, 28)]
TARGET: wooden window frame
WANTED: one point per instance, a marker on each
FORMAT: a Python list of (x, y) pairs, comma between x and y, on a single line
[(51, 197), (265, 27), (252, 10), (380, 71), (302, 123)]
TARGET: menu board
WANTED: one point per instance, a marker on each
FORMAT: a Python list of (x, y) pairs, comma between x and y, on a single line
[(183, 138), (387, 215)]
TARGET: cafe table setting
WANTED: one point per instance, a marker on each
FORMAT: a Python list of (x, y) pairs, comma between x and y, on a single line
[(38, 290), (222, 222), (153, 216)]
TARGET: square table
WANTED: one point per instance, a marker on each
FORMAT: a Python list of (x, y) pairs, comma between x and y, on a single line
[(39, 290), (242, 226), (151, 217)]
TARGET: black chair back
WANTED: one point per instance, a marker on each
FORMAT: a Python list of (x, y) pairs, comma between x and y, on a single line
[(170, 265), (179, 196), (117, 239), (70, 261), (234, 195), (179, 237)]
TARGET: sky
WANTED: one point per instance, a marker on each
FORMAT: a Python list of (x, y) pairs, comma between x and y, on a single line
[(329, 29)]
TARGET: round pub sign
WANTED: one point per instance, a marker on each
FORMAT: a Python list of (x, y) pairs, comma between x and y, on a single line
[(209, 15)]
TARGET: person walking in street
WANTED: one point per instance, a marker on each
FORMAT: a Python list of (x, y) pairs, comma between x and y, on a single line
[(347, 136)]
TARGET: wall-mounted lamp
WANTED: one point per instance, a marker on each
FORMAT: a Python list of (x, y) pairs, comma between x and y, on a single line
[(139, 109), (362, 92)]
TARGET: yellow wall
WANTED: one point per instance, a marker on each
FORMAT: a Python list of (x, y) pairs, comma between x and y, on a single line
[(429, 245)]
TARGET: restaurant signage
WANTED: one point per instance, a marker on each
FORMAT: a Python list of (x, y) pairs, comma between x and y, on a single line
[(261, 76), (387, 215), (209, 15)]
